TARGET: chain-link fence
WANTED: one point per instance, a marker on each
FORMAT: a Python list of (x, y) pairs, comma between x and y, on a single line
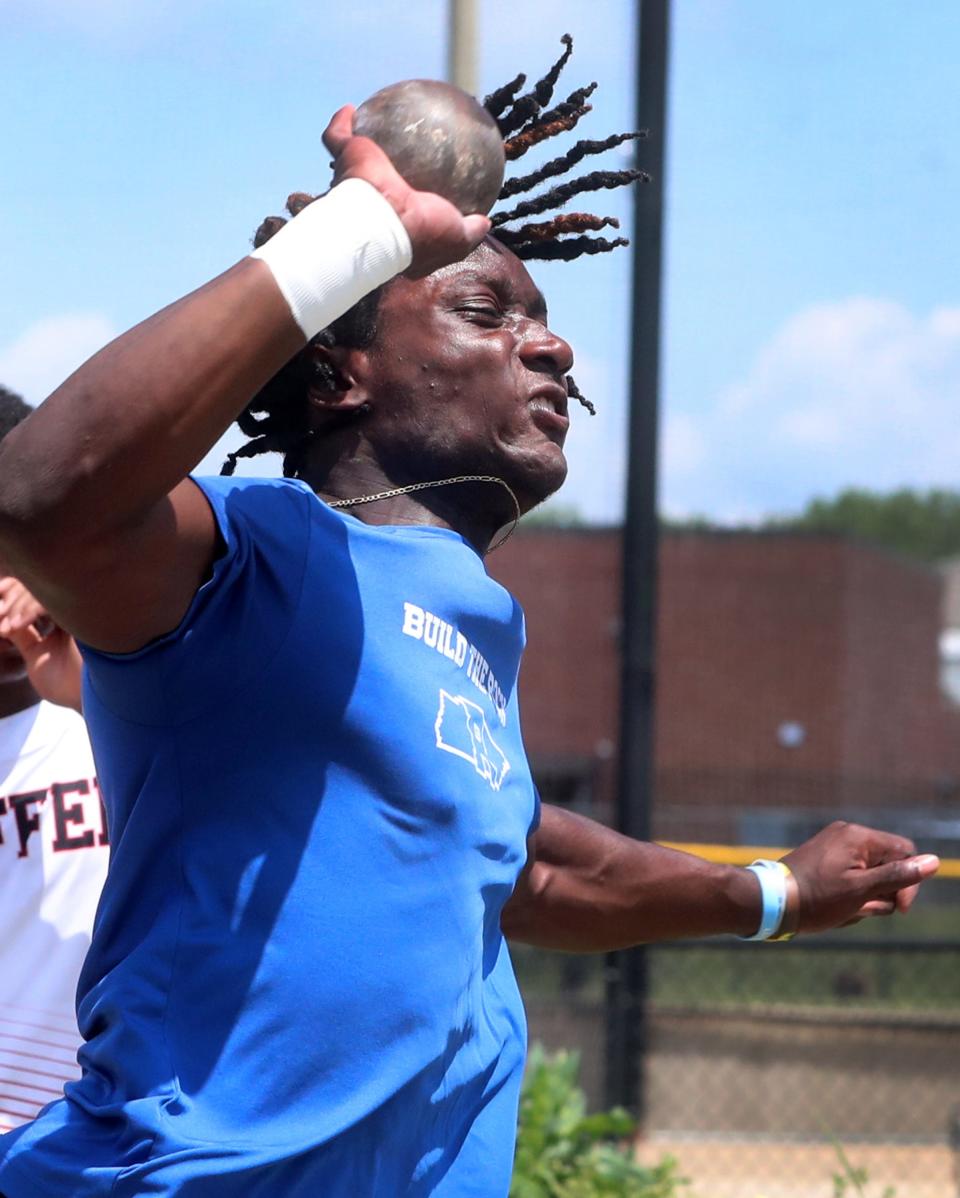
[(761, 1060), (798, 682)]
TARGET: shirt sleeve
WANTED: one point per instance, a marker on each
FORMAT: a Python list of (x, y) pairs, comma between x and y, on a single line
[(238, 619)]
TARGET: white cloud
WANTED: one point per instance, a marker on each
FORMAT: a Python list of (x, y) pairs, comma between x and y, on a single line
[(860, 392), (47, 351)]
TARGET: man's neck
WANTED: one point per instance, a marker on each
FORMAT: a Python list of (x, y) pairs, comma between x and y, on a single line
[(475, 510), (17, 696)]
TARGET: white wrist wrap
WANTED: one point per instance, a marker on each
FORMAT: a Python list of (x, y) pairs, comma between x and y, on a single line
[(772, 876), (334, 252)]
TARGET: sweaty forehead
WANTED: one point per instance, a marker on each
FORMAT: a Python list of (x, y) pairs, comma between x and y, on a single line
[(494, 265)]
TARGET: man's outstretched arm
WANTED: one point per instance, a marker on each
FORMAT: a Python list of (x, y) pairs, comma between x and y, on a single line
[(586, 888)]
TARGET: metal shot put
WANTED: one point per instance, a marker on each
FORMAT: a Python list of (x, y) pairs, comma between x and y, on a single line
[(439, 138)]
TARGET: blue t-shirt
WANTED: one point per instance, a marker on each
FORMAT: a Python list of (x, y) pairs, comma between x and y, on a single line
[(319, 802)]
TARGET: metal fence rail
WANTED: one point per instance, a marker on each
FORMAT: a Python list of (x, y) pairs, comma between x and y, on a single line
[(761, 1059)]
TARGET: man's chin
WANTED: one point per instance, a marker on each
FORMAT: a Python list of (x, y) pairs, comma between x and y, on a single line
[(542, 477)]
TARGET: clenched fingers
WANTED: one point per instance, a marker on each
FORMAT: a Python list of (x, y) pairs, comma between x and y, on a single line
[(877, 907), (340, 130), (27, 640)]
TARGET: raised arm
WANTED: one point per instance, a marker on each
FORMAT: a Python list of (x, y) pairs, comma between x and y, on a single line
[(589, 889), (95, 515)]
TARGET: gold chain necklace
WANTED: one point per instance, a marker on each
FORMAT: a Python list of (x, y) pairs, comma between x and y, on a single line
[(441, 482)]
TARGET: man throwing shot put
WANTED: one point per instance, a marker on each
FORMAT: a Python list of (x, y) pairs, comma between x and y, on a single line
[(302, 696)]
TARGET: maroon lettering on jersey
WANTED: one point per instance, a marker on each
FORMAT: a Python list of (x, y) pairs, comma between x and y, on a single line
[(104, 837), (27, 821), (64, 816)]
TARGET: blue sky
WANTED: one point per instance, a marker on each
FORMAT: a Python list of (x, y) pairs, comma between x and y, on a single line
[(812, 337)]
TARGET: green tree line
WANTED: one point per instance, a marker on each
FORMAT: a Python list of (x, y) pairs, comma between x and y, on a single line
[(920, 524)]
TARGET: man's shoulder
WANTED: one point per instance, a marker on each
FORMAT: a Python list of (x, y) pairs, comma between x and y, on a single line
[(253, 493), (274, 514)]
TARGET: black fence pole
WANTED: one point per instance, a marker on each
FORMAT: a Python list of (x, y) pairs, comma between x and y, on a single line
[(627, 971)]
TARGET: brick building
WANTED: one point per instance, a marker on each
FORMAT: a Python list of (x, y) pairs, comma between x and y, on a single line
[(797, 679)]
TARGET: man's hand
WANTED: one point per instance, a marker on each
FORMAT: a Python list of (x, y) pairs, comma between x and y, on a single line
[(18, 608), (53, 661), (847, 872), (439, 233)]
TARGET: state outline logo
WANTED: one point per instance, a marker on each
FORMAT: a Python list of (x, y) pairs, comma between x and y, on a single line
[(461, 728)]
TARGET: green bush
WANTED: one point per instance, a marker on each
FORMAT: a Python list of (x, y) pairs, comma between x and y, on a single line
[(562, 1152)]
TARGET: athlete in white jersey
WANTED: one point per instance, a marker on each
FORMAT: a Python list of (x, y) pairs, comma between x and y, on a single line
[(53, 854)]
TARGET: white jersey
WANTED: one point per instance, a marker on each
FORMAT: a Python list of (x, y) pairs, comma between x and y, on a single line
[(53, 859)]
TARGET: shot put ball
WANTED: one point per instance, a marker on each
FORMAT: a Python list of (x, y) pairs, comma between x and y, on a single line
[(439, 138)]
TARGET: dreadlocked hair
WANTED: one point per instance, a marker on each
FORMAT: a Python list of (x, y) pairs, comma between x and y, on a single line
[(574, 392), (517, 146), (277, 418), (525, 120), (552, 246)]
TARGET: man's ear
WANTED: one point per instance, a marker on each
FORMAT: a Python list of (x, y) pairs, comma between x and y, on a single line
[(336, 386)]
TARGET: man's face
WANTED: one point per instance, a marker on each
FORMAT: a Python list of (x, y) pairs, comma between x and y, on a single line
[(464, 377)]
